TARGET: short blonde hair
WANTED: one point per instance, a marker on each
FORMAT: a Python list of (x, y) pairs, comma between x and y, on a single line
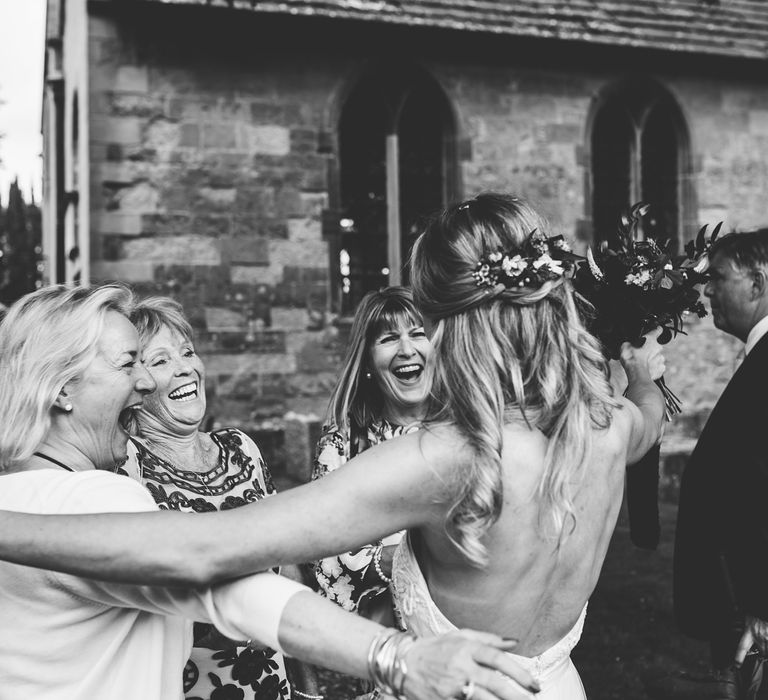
[(152, 314), (47, 339)]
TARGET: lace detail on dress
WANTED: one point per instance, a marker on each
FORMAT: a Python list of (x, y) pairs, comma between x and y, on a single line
[(418, 613)]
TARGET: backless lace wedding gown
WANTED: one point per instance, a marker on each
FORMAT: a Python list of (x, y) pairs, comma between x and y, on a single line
[(553, 669)]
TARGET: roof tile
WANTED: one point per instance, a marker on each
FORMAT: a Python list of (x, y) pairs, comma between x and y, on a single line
[(726, 27)]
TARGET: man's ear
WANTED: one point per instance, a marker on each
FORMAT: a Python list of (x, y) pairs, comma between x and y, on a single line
[(759, 278)]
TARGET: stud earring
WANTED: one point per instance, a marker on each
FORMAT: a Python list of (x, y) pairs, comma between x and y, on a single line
[(368, 375), (67, 407)]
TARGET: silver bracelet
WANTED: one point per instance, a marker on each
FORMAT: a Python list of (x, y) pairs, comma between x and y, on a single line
[(306, 696), (386, 661), (377, 565)]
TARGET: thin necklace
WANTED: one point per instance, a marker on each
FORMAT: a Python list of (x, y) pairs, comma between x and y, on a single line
[(54, 461)]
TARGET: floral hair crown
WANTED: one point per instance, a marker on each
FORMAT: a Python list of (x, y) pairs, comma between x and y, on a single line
[(538, 260)]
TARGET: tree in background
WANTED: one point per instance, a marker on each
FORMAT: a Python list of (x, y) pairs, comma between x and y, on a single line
[(20, 246)]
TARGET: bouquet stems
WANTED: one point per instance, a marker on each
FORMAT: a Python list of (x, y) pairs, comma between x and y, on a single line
[(672, 404)]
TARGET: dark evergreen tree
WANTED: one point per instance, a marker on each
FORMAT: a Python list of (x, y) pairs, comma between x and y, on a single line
[(20, 247)]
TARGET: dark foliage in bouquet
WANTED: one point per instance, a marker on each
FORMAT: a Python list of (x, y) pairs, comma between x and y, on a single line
[(634, 286)]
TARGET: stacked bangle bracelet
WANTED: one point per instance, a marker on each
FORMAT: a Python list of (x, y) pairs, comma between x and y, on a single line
[(386, 661)]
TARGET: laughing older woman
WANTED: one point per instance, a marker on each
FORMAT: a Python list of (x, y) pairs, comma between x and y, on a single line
[(189, 470), (69, 380)]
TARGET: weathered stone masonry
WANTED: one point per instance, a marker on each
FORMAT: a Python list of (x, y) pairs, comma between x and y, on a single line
[(213, 144)]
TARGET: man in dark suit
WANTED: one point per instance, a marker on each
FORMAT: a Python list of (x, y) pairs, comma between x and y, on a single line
[(721, 547)]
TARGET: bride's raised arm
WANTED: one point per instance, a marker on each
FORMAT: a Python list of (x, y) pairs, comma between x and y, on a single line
[(403, 483)]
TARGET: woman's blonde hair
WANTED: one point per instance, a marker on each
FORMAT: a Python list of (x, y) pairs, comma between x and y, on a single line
[(47, 339), (502, 352), (152, 314), (149, 316), (356, 401)]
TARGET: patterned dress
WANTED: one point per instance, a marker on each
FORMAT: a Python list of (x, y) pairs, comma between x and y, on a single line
[(240, 477), (350, 579)]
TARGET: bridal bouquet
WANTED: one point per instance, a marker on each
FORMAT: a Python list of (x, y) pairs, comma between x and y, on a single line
[(636, 285)]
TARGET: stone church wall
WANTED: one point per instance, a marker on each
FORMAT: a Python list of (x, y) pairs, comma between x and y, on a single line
[(212, 159)]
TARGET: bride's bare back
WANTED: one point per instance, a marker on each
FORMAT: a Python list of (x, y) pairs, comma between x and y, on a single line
[(531, 590)]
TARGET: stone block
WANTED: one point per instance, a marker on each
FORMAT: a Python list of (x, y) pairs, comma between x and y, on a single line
[(209, 283), (290, 319), (253, 364), (238, 338), (218, 136), (122, 130), (305, 230), (132, 79), (313, 204), (166, 224), (254, 225), (315, 180), (214, 225), (122, 271), (271, 113), (121, 104), (304, 141), (267, 140), (140, 196), (316, 356), (252, 275), (253, 197), (115, 173), (758, 122), (223, 320), (116, 223), (190, 136), (288, 202), (186, 249), (252, 250), (114, 152), (216, 198), (302, 431), (301, 294), (110, 248)]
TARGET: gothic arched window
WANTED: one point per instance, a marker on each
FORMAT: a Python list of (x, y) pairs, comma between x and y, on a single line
[(397, 164), (640, 152)]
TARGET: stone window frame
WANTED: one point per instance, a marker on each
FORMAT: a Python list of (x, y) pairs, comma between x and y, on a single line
[(638, 96), (396, 72)]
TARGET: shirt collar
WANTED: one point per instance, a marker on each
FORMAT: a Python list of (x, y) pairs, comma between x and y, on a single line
[(757, 332)]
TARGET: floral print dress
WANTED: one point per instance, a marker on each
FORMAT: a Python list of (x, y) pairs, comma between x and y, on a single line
[(350, 579), (240, 477)]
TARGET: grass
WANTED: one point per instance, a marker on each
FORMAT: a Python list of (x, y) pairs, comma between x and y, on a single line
[(630, 637)]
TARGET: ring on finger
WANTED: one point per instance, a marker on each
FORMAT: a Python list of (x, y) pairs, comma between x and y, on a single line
[(467, 691)]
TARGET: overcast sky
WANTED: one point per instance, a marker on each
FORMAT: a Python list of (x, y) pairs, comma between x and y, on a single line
[(22, 39)]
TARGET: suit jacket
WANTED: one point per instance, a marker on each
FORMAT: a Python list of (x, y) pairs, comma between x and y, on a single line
[(723, 513)]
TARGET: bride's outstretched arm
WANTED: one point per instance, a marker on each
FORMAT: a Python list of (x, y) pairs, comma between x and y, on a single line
[(403, 483), (646, 403)]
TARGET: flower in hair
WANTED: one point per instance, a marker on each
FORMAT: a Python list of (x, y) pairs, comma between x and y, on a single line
[(538, 260)]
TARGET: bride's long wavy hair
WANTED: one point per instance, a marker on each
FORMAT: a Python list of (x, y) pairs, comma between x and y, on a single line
[(502, 353)]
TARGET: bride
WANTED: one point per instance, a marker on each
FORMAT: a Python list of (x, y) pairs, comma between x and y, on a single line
[(510, 496)]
